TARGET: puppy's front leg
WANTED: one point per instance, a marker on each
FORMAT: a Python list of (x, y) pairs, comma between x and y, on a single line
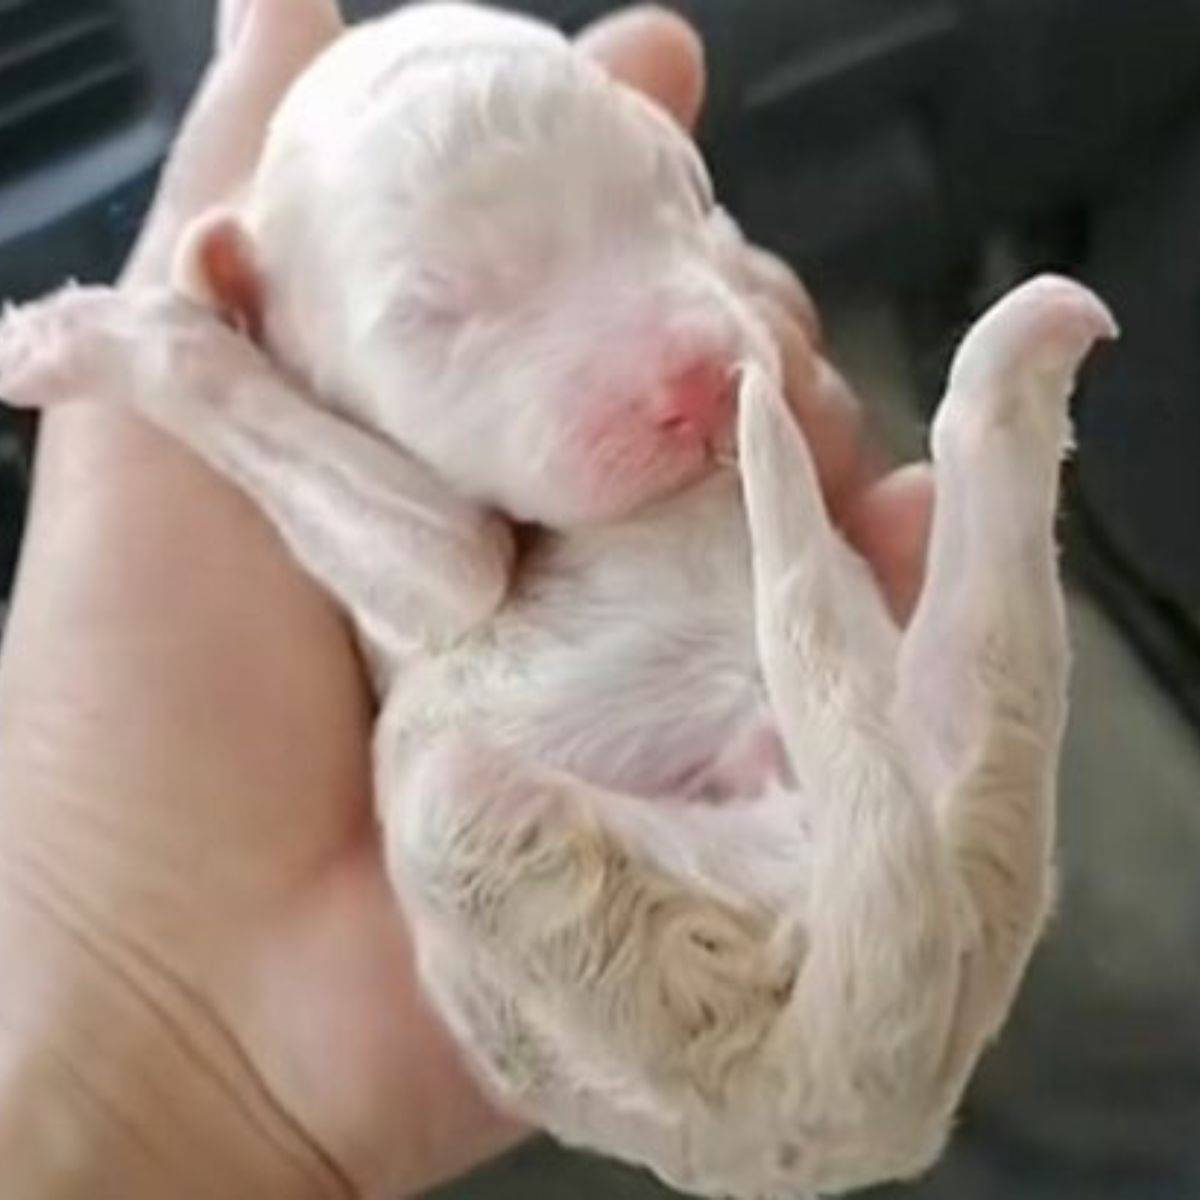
[(407, 558), (983, 672)]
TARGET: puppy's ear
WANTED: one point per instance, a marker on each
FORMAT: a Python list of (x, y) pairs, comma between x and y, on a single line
[(216, 266)]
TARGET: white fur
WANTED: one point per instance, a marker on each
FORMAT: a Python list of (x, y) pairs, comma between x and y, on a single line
[(780, 992)]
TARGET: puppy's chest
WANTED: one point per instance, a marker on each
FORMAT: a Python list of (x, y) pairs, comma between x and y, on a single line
[(627, 658)]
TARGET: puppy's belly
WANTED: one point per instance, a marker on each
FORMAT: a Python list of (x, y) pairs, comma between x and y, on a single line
[(748, 766), (664, 723), (745, 761)]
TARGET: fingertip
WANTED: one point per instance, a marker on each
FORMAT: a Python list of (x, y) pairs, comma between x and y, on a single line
[(289, 31), (655, 51), (776, 278)]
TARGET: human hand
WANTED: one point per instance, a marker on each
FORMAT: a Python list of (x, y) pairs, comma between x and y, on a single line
[(208, 983)]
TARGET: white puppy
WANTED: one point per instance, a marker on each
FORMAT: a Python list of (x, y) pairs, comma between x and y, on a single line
[(710, 867)]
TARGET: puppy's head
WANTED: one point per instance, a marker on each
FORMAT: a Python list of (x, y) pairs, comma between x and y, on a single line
[(471, 238)]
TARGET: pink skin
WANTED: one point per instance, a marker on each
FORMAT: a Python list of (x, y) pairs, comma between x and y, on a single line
[(751, 763), (697, 402), (634, 452)]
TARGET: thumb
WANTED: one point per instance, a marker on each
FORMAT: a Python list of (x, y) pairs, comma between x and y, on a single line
[(889, 525)]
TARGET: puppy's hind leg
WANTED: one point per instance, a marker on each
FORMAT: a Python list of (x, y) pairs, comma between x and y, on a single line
[(982, 689), (646, 985), (586, 893)]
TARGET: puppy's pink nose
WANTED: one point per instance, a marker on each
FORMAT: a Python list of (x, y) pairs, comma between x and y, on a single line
[(697, 400)]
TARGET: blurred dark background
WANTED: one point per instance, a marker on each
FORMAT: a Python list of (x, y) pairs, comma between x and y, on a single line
[(912, 158)]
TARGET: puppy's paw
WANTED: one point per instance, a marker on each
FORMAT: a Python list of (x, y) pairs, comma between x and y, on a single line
[(46, 355), (1048, 323), (1016, 368), (141, 349)]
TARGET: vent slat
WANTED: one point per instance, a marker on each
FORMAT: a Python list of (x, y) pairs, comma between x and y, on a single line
[(52, 62), (66, 72), (64, 93), (54, 38), (28, 20)]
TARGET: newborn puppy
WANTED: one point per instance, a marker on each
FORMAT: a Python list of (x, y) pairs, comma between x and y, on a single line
[(710, 867)]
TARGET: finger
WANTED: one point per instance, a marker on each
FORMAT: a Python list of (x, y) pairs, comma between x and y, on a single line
[(231, 16), (655, 51), (771, 276), (889, 525), (846, 453), (222, 136)]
